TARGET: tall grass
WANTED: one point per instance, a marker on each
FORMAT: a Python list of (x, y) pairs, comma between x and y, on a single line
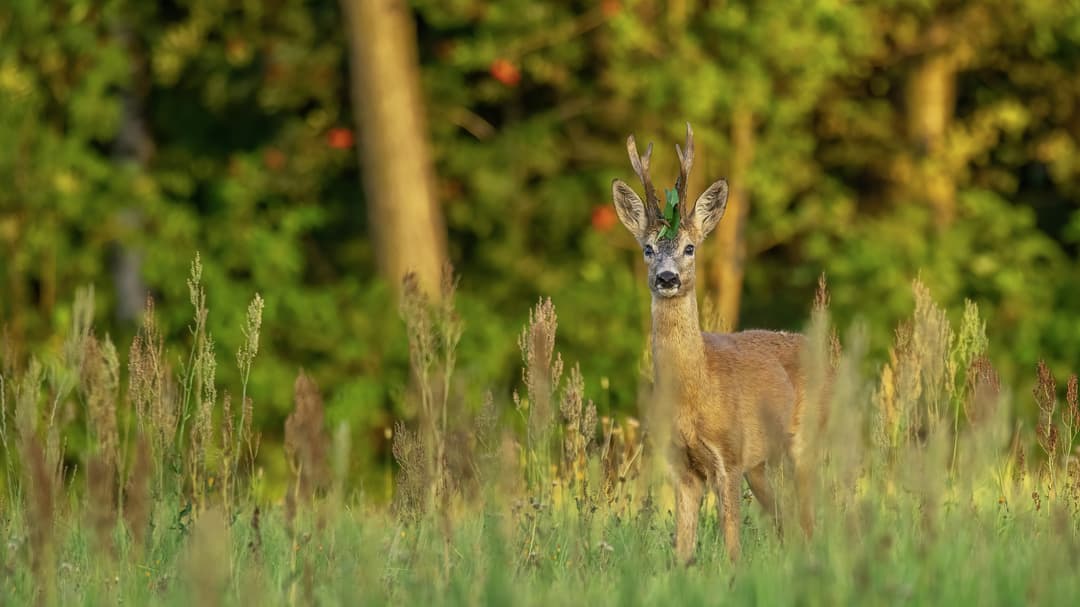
[(929, 487)]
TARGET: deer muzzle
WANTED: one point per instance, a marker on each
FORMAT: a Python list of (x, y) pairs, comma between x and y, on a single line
[(668, 280)]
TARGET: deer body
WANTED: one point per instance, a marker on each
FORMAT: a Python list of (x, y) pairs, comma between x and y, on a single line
[(736, 398)]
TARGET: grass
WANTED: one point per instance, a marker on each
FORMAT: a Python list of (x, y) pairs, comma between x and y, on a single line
[(146, 491)]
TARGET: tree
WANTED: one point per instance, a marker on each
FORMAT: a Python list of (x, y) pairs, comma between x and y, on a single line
[(405, 222)]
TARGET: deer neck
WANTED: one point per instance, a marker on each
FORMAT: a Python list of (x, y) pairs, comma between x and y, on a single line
[(677, 345)]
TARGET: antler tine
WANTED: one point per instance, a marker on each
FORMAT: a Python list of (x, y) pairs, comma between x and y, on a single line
[(686, 161), (641, 167)]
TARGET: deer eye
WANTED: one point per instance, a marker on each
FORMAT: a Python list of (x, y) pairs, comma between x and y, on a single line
[(689, 250), (648, 250)]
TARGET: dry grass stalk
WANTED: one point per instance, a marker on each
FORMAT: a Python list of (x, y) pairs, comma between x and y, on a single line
[(918, 381), (305, 439), (65, 377), (149, 392), (842, 454), (1071, 421), (820, 312), (194, 378), (579, 429), (1072, 402), (434, 330), (495, 455), (1045, 392), (305, 451), (932, 340), (228, 453), (208, 561), (342, 459), (100, 384), (255, 544), (411, 486), (251, 438), (245, 359), (8, 353), (983, 388), (27, 392), (898, 392), (202, 438), (542, 373), (137, 500), (9, 463), (1019, 471), (620, 455), (40, 511), (486, 425), (820, 361), (245, 356), (101, 501)]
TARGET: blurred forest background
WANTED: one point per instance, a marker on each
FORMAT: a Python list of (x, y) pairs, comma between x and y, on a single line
[(874, 142)]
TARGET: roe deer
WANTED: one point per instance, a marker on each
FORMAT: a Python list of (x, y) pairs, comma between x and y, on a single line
[(737, 398)]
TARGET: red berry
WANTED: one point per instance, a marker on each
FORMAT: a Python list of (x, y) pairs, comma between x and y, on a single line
[(274, 159), (603, 217), (339, 138), (505, 72)]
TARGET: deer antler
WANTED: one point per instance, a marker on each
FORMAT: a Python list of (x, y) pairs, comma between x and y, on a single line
[(641, 167), (686, 160)]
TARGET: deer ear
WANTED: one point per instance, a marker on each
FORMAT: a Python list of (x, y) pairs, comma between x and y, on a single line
[(710, 206), (630, 209)]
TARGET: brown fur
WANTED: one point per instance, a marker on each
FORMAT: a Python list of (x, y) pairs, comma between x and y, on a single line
[(737, 399)]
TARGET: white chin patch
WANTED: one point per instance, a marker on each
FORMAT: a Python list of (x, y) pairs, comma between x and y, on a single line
[(670, 292)]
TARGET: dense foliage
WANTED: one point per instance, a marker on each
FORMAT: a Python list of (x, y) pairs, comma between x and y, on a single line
[(136, 133)]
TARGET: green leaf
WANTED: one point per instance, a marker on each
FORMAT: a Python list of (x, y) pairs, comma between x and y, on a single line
[(671, 216)]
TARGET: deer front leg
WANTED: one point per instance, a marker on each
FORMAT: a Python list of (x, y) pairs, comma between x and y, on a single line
[(729, 492), (688, 490)]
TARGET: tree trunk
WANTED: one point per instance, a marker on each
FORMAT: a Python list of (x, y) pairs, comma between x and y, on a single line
[(729, 259), (931, 101), (133, 144), (406, 224)]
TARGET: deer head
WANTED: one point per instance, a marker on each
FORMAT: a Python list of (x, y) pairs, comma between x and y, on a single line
[(669, 246)]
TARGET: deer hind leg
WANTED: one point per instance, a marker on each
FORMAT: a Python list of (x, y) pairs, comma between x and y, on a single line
[(759, 485), (689, 487), (804, 485)]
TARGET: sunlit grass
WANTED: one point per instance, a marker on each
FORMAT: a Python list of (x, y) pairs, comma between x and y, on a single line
[(926, 490)]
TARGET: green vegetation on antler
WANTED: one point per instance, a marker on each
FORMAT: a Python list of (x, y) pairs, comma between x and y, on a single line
[(671, 216)]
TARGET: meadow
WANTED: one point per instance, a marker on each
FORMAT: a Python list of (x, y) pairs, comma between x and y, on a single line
[(143, 484)]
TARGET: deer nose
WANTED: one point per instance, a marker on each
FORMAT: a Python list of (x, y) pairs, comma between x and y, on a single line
[(667, 280)]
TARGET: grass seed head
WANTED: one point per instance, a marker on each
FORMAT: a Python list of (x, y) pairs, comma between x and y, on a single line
[(1045, 390), (149, 389), (100, 384), (983, 391)]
